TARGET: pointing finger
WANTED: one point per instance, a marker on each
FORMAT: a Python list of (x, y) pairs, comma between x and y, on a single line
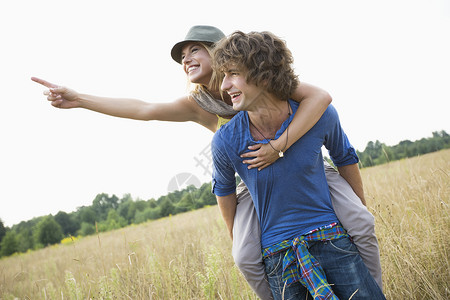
[(43, 82)]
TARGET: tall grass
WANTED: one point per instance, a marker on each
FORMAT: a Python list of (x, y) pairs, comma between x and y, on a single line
[(187, 256), (182, 257), (410, 201)]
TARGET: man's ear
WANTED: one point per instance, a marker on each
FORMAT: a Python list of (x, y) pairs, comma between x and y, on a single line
[(265, 83)]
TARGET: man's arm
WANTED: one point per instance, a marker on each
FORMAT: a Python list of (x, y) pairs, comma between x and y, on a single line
[(352, 175), (227, 205), (342, 152)]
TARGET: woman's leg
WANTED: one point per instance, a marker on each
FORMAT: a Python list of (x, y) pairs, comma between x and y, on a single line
[(247, 244), (356, 219)]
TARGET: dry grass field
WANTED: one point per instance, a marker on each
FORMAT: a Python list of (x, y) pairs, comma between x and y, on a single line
[(187, 256)]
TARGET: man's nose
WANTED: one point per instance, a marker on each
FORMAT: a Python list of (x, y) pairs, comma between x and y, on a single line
[(225, 86)]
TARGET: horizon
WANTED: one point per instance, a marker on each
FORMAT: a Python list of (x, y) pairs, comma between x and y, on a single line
[(192, 181)]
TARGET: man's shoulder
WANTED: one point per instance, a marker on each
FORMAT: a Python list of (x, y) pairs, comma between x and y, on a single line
[(330, 116), (331, 109)]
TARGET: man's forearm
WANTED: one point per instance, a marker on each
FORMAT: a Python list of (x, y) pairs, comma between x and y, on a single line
[(352, 175), (227, 206)]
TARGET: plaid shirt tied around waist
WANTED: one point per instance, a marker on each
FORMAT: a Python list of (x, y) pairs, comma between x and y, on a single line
[(300, 265)]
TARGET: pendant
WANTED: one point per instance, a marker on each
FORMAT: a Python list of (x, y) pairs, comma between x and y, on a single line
[(280, 154)]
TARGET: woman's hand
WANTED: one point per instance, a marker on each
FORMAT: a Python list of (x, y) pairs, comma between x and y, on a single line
[(59, 96), (262, 155)]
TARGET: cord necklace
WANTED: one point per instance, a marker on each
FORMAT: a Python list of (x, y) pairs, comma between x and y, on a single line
[(280, 152)]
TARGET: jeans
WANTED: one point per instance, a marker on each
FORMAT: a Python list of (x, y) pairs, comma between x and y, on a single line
[(343, 267), (352, 214)]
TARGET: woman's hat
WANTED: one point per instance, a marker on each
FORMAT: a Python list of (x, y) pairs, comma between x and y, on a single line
[(200, 33)]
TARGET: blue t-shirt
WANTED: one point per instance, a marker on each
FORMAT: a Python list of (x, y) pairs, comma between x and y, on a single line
[(291, 196)]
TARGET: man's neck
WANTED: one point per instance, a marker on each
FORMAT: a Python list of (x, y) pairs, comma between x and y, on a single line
[(268, 116)]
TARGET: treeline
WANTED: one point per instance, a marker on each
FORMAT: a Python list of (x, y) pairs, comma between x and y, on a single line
[(377, 153), (110, 212), (105, 213)]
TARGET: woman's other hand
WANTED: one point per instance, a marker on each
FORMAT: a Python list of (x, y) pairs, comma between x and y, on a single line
[(260, 156)]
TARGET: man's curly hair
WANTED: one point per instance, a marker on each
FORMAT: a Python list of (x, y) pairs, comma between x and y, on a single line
[(265, 58)]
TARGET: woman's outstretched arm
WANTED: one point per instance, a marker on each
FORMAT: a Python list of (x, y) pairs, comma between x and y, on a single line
[(181, 110)]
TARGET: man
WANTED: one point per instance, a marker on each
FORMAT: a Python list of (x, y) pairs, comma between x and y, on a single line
[(291, 197)]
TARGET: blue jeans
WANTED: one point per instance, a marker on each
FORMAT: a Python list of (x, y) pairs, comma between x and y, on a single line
[(344, 269)]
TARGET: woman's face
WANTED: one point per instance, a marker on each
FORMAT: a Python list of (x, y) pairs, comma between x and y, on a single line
[(196, 63)]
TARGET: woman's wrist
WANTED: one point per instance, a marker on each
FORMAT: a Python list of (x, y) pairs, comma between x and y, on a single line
[(82, 100), (282, 143)]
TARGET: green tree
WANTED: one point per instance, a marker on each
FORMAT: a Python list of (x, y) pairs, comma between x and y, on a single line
[(129, 209), (166, 206), (103, 203), (186, 203), (86, 229), (150, 213), (206, 196), (9, 243), (66, 221), (86, 214), (25, 234), (152, 203), (403, 149), (25, 239), (124, 208), (378, 153), (2, 230), (113, 221), (49, 232)]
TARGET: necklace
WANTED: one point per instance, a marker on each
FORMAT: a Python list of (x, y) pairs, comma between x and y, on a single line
[(280, 152)]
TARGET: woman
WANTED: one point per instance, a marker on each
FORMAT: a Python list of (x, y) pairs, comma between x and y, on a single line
[(208, 107)]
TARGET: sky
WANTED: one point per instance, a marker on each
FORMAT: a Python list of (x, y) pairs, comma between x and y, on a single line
[(385, 63)]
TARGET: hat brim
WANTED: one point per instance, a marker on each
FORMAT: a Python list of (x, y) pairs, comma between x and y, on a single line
[(176, 49)]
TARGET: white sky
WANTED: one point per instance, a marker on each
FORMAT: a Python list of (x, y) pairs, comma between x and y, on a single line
[(386, 64)]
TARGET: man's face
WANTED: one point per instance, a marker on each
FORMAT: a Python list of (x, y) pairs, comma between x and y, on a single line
[(243, 95)]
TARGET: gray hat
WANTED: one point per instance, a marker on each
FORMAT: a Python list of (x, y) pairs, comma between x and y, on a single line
[(200, 33)]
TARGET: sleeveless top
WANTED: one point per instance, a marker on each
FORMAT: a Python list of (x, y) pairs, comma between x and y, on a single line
[(221, 121), (215, 106)]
